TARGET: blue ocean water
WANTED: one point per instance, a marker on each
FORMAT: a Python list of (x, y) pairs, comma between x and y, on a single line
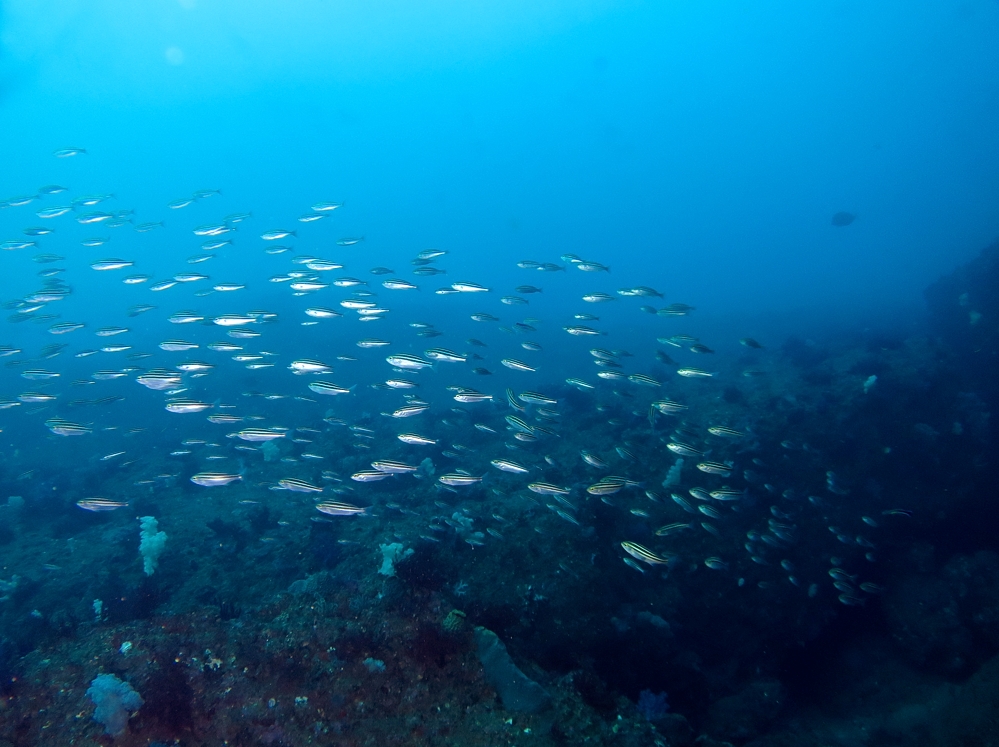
[(694, 436)]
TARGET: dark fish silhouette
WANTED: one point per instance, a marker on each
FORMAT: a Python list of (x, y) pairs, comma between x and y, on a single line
[(843, 219)]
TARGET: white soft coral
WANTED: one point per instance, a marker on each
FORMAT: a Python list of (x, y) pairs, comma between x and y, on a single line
[(151, 542)]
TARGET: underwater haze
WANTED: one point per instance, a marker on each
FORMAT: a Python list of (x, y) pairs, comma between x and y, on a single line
[(715, 140), (478, 373)]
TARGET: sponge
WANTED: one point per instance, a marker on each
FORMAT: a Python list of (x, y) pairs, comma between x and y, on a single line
[(518, 692)]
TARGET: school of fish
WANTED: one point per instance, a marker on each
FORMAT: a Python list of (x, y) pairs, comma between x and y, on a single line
[(483, 430)]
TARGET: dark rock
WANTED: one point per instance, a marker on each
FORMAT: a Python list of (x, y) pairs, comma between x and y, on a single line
[(325, 550), (432, 646), (975, 580), (948, 621), (925, 619), (424, 569), (169, 700), (653, 706), (747, 714), (8, 657), (803, 353), (733, 395), (261, 518), (675, 730), (230, 536), (705, 741), (133, 602), (594, 691), (787, 739), (972, 715), (964, 309)]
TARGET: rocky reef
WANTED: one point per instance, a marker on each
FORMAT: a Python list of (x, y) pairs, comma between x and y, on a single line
[(879, 448), (964, 313)]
